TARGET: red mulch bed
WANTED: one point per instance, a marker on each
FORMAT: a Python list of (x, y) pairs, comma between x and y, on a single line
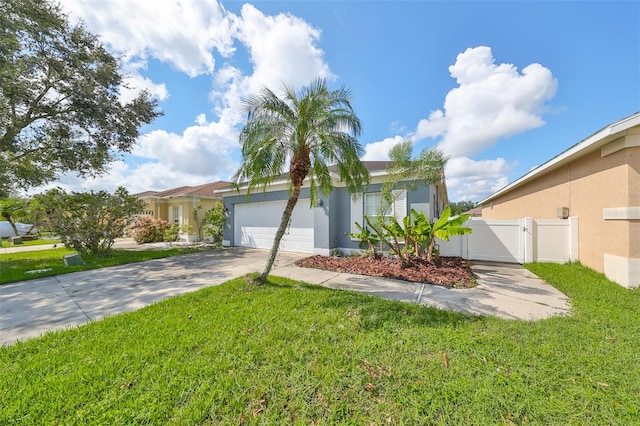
[(450, 272)]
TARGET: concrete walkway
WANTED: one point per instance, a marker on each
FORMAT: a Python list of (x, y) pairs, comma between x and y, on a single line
[(30, 308), (17, 249)]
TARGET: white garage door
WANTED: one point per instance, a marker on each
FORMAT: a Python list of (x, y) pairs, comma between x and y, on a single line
[(256, 225)]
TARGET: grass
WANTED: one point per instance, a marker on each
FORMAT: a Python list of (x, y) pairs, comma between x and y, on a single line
[(290, 353), (14, 266), (4, 242)]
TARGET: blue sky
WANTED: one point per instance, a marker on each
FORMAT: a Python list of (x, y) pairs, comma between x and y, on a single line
[(500, 86)]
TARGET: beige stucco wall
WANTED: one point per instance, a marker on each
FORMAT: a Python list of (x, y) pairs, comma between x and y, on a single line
[(187, 212), (633, 157), (188, 209), (148, 207), (586, 186), (186, 203), (151, 205), (164, 211)]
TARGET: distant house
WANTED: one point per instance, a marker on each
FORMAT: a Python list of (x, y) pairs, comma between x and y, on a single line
[(474, 212), (177, 205), (325, 226), (596, 180)]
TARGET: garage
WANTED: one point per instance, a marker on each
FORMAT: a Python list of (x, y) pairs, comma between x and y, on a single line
[(255, 225)]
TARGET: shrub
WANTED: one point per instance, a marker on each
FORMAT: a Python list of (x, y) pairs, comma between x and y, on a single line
[(149, 230), (89, 222), (214, 221), (171, 233)]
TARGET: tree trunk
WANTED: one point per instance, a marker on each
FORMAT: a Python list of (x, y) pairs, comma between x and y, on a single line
[(286, 216), (13, 225)]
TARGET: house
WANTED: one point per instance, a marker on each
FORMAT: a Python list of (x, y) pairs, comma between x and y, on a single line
[(177, 205), (596, 180), (325, 226), (474, 212)]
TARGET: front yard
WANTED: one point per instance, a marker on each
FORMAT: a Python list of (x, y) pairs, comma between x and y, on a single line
[(290, 353), (29, 265)]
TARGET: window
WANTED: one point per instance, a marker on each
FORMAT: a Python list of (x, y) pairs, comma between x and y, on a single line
[(374, 204), (176, 215), (369, 205)]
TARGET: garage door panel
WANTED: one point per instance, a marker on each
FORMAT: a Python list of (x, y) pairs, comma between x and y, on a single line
[(256, 224), (257, 237)]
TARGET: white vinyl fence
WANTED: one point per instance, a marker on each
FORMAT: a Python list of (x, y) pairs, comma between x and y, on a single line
[(516, 241)]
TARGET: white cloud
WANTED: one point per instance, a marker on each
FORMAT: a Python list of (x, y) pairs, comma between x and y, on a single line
[(72, 182), (156, 176), (201, 154), (188, 35), (231, 85), (147, 176), (201, 150), (467, 179), (134, 82), (182, 33), (472, 180), (491, 102), (379, 151), (282, 49)]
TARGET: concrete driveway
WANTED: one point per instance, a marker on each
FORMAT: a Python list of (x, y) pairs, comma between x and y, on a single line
[(30, 308)]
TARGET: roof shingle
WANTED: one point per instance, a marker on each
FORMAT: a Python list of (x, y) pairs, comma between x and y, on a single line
[(206, 189)]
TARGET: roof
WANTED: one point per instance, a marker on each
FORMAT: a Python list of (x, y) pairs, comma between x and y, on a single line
[(375, 168), (205, 190), (592, 143), (371, 166), (476, 211), (145, 194)]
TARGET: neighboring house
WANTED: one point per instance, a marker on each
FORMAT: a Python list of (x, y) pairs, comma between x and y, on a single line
[(6, 230), (177, 205), (598, 181), (474, 212), (324, 227)]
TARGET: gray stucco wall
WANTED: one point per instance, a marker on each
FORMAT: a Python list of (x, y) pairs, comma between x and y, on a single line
[(322, 224), (340, 237), (332, 219), (342, 208)]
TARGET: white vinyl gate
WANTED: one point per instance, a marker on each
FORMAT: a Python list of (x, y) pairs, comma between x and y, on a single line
[(516, 241), (499, 241)]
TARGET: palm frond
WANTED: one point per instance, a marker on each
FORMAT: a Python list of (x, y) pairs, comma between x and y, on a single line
[(315, 123)]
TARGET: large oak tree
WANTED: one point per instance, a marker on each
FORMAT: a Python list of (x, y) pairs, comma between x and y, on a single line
[(60, 104)]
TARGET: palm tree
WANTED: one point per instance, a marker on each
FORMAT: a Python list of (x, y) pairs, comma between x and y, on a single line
[(308, 132)]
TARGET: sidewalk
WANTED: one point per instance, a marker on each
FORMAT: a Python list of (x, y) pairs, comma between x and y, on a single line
[(120, 243), (18, 249), (30, 308)]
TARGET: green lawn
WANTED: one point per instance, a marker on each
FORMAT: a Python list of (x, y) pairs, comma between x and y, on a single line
[(290, 353), (14, 266), (4, 242)]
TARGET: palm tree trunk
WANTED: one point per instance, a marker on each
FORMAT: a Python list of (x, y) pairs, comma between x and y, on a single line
[(286, 216)]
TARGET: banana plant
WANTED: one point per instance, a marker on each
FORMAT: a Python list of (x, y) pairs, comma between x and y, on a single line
[(367, 239), (398, 237), (443, 228), (401, 232)]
